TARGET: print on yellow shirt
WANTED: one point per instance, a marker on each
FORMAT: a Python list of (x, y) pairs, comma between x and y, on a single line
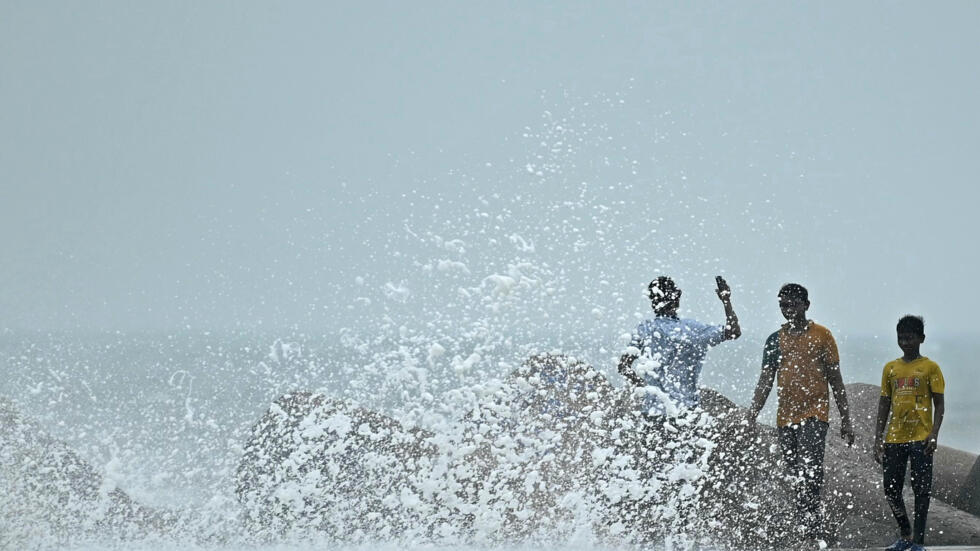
[(910, 385)]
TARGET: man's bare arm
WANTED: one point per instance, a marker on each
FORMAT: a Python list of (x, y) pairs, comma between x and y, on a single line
[(762, 390), (770, 365), (832, 373)]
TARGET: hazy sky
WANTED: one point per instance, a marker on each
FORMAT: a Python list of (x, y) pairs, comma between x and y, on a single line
[(293, 165)]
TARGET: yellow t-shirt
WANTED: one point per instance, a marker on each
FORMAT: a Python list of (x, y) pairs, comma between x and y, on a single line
[(911, 385)]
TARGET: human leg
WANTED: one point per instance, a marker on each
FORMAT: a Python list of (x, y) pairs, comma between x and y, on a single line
[(921, 486), (893, 466), (789, 447), (812, 438)]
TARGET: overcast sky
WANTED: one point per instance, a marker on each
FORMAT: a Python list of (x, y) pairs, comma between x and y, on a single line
[(303, 165)]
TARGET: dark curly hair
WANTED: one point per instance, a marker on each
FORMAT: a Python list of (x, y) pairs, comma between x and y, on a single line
[(911, 324), (794, 290)]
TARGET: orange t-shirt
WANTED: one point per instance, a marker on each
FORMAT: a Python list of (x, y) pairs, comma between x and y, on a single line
[(802, 385)]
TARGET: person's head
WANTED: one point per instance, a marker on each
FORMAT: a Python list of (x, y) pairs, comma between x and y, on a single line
[(794, 300), (911, 333), (665, 297)]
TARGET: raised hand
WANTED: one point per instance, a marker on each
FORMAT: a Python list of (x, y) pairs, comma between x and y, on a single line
[(724, 291), (732, 328)]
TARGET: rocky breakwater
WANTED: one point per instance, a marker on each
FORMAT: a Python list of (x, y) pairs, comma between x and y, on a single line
[(555, 448), (551, 449)]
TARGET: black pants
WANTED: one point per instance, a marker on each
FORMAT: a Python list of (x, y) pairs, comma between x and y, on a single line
[(897, 456), (802, 447)]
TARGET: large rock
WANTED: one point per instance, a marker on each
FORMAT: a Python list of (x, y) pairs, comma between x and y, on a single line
[(969, 498), (316, 463), (556, 444)]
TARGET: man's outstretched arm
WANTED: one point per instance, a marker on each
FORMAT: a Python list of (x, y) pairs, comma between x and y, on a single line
[(732, 329)]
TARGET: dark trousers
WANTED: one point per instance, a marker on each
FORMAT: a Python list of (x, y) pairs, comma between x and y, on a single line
[(802, 446), (897, 456)]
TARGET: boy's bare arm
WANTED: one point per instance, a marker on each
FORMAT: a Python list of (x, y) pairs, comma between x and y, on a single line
[(832, 373), (884, 406), (938, 412)]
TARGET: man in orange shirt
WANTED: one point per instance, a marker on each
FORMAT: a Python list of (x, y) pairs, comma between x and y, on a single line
[(804, 356)]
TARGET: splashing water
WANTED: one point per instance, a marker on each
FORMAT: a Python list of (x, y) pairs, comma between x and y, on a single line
[(551, 452), (462, 399)]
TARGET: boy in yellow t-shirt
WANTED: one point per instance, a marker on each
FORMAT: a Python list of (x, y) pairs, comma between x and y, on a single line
[(912, 390)]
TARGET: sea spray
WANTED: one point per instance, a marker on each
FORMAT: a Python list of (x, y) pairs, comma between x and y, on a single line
[(551, 450)]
